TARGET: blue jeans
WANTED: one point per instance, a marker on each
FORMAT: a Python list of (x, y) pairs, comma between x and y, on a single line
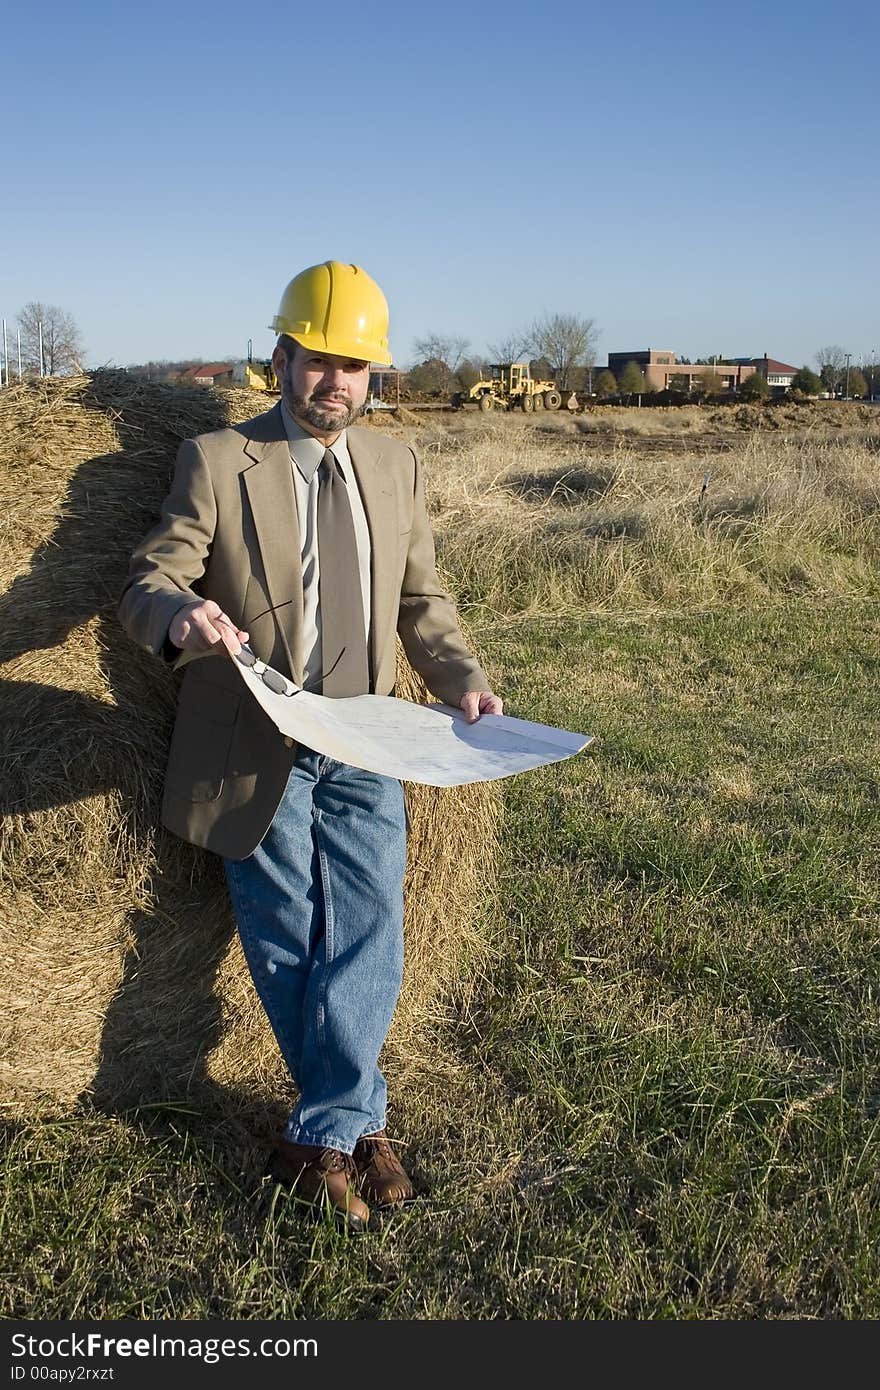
[(319, 907)]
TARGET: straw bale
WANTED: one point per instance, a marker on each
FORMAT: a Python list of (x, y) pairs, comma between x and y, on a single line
[(123, 980)]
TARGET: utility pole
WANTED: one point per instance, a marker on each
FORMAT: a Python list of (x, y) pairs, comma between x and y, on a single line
[(846, 387)]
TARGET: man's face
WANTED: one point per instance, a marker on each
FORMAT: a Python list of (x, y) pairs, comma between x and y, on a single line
[(323, 392)]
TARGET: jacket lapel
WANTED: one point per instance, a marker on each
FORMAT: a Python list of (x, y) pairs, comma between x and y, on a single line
[(380, 505), (272, 498)]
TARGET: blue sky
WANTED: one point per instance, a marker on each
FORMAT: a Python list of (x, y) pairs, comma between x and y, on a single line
[(701, 178)]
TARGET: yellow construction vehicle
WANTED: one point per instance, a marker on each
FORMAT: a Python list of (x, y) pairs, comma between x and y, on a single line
[(259, 374), (509, 385)]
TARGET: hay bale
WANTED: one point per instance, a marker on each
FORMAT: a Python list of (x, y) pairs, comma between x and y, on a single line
[(123, 979)]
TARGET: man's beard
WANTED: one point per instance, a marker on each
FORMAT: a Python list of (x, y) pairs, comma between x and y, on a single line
[(316, 414)]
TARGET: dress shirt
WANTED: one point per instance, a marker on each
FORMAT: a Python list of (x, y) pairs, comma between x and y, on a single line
[(306, 453)]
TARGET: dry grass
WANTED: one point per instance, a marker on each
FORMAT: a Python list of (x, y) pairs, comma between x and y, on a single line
[(540, 518), (122, 974), (647, 421)]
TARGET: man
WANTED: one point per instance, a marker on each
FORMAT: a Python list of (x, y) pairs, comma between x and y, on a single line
[(309, 540)]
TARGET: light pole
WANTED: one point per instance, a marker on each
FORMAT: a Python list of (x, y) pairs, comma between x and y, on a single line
[(846, 387)]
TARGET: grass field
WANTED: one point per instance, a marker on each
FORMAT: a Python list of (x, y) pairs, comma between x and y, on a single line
[(658, 1094)]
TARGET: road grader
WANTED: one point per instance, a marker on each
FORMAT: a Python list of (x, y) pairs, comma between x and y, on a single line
[(509, 386), (257, 373)]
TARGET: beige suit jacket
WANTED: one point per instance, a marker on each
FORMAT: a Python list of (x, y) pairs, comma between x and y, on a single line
[(229, 531)]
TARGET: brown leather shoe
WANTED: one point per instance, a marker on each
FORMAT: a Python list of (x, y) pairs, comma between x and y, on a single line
[(383, 1178), (320, 1176)]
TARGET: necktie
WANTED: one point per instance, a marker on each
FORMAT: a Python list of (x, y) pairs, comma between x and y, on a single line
[(340, 598)]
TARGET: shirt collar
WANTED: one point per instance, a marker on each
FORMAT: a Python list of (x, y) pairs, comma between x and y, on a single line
[(307, 451)]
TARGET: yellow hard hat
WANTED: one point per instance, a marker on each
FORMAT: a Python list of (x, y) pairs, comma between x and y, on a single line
[(336, 308)]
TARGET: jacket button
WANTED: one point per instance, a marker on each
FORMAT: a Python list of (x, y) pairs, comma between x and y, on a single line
[(288, 742)]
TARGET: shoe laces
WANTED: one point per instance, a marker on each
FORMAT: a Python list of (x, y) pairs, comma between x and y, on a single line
[(334, 1161), (379, 1144)]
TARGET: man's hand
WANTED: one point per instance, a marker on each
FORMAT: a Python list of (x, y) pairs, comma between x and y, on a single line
[(201, 625), (477, 702)]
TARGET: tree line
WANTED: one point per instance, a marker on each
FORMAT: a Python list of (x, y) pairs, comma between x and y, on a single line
[(557, 346), (838, 375), (563, 346)]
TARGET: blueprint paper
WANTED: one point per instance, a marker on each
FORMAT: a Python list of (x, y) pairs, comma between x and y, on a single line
[(431, 744)]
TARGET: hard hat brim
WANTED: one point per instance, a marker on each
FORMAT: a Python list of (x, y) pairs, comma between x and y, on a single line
[(351, 347)]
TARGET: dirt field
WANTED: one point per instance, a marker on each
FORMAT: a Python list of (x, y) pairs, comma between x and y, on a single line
[(659, 426)]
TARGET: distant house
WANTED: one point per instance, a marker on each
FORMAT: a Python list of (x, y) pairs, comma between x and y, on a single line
[(778, 375), (208, 374)]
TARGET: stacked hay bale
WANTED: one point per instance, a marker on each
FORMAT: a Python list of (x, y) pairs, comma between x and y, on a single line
[(122, 976)]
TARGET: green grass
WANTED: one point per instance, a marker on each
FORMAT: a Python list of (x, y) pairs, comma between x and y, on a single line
[(662, 1099)]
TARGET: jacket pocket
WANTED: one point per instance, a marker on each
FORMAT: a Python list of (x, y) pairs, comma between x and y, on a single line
[(202, 738)]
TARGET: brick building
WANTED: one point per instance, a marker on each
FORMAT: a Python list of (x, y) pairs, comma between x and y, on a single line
[(662, 372)]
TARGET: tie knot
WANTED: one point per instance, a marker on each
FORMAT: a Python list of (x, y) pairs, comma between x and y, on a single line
[(330, 464)]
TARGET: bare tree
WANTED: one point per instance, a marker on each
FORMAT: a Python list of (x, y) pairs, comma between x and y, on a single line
[(435, 348), (567, 342), (831, 362), (62, 342), (511, 349)]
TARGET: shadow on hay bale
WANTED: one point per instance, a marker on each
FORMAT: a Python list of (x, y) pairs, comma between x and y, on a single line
[(123, 980)]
